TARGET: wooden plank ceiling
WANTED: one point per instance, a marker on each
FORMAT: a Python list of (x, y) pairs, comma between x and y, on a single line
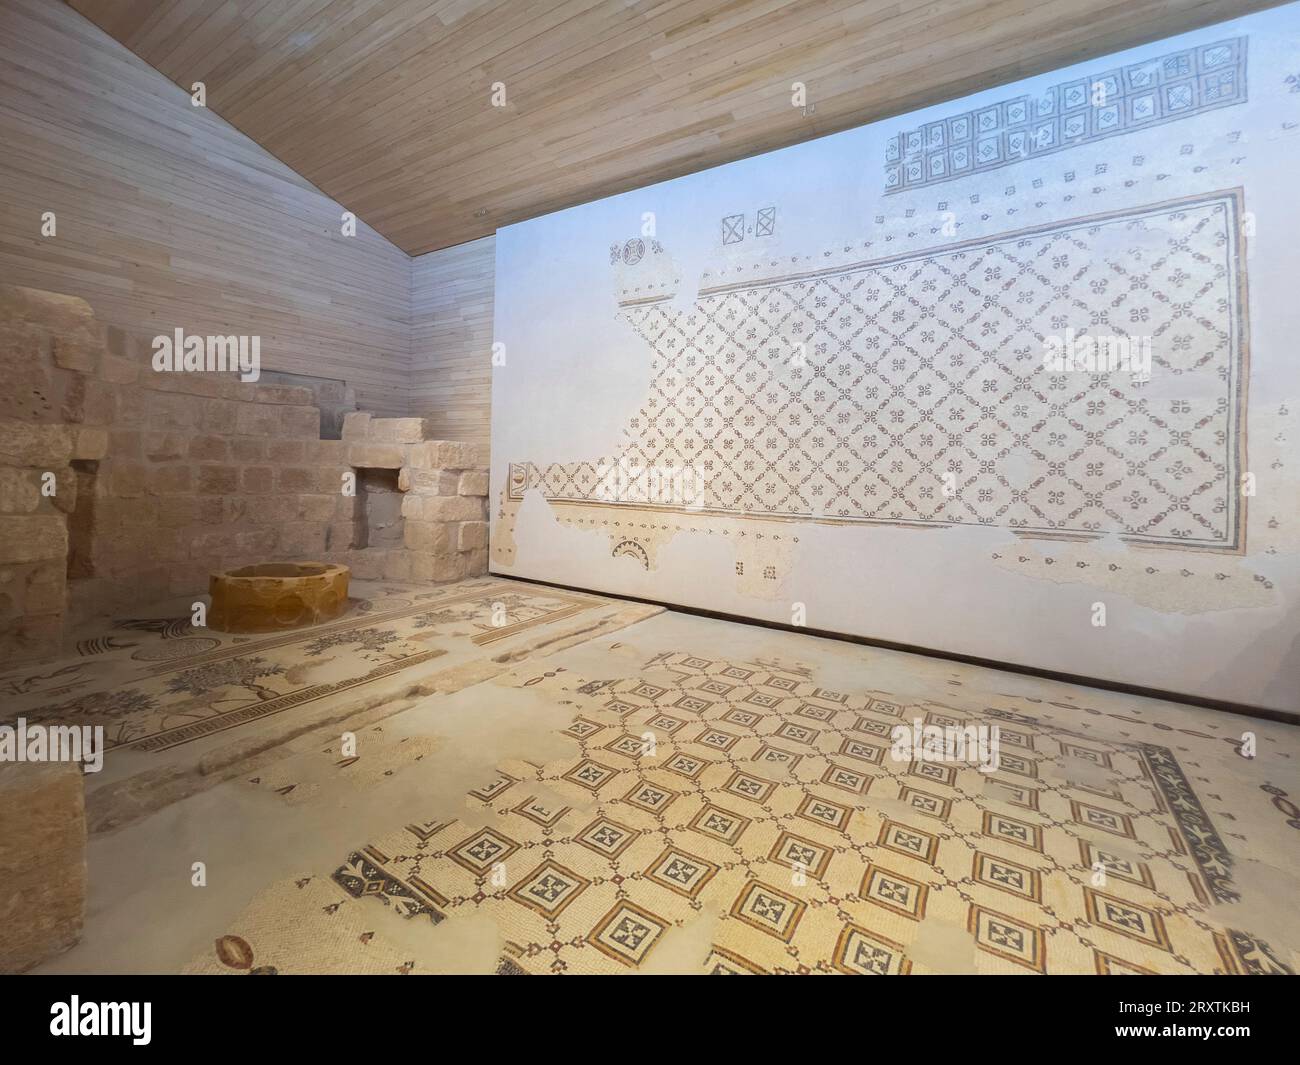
[(386, 106)]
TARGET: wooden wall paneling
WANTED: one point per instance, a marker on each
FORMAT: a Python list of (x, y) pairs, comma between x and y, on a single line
[(451, 332), (168, 216)]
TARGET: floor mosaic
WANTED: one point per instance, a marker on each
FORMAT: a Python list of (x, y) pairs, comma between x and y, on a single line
[(156, 683), (742, 797)]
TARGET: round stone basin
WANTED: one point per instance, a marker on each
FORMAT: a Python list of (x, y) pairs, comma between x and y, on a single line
[(277, 595)]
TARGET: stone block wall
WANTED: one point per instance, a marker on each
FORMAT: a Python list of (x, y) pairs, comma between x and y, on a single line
[(163, 477), (443, 506), (33, 536), (42, 862)]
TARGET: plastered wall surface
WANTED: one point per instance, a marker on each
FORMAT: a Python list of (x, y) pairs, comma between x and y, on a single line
[(817, 386)]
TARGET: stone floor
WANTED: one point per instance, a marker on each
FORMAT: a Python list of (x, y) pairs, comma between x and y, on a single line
[(607, 791), (181, 704)]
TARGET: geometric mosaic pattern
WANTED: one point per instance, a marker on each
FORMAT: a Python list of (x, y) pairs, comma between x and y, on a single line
[(930, 364), (1122, 100), (154, 684), (831, 859)]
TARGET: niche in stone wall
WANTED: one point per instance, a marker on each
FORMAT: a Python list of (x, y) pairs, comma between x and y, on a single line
[(378, 514), (81, 522)]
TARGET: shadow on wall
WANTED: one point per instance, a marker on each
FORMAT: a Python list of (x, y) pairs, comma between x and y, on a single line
[(332, 397)]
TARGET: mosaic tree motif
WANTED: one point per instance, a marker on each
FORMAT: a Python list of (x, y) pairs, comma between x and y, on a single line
[(371, 639), (229, 673)]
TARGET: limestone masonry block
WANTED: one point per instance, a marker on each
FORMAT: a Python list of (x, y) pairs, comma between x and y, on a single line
[(257, 480), (327, 452), (208, 449), (289, 395), (20, 491), (443, 454), (218, 480), (376, 456), (399, 430), (329, 479), (301, 539), (207, 385), (46, 587), (169, 480), (175, 412), (95, 402), (165, 447), (42, 862), (426, 536), (125, 443), (396, 565), (296, 479), (434, 482), (301, 422), (78, 351), (129, 479), (316, 508), (217, 416), (339, 535), (286, 452), (356, 425), (90, 444), (255, 419), (471, 535), (33, 537), (247, 449), (365, 565), (38, 446), (175, 512), (451, 508), (473, 483)]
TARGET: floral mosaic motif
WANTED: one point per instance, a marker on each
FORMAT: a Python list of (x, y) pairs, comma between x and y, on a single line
[(433, 618), (372, 639), (119, 703), (244, 673)]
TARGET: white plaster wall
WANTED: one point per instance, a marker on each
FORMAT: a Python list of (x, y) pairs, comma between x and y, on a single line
[(1215, 624)]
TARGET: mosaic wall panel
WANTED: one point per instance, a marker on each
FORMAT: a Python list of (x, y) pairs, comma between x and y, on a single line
[(927, 364), (1120, 100), (783, 390)]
